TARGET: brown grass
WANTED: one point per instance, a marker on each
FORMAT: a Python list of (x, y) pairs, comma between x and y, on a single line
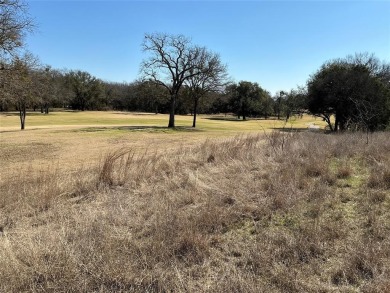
[(260, 213)]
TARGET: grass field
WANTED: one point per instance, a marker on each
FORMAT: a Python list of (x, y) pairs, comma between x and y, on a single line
[(69, 119), (116, 202), (74, 139)]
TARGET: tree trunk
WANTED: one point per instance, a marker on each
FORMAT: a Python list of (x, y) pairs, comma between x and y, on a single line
[(195, 111), (46, 109), (327, 120), (22, 115), (342, 124), (171, 123), (336, 123)]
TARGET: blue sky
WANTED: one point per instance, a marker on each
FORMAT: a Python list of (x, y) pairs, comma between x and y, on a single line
[(275, 43)]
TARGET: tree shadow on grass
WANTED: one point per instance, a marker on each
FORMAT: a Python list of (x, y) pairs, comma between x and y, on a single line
[(150, 129), (290, 129), (38, 113), (145, 128), (295, 129), (225, 119), (137, 113), (234, 119)]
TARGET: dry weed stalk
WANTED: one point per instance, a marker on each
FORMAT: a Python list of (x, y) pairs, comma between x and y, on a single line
[(115, 166)]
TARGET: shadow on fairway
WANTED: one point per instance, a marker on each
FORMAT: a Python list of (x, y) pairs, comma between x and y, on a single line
[(160, 129), (225, 119), (28, 114), (140, 128), (137, 113), (234, 119), (293, 129)]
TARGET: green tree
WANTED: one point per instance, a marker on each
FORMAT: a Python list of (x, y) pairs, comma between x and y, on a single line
[(267, 105), (355, 90), (151, 97), (249, 99), (221, 103), (294, 102), (87, 90), (279, 104)]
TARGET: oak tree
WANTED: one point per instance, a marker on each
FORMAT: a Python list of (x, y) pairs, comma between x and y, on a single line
[(172, 60), (86, 90), (355, 90)]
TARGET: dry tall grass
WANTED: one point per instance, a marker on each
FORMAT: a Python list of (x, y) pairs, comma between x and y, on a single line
[(274, 213)]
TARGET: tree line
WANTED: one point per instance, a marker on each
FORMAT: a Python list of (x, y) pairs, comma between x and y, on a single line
[(45, 88), (179, 77)]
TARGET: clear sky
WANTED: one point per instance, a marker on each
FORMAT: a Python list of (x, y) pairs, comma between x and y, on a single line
[(275, 43)]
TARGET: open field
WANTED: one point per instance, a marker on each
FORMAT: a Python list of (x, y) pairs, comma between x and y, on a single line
[(74, 139), (69, 119), (117, 207)]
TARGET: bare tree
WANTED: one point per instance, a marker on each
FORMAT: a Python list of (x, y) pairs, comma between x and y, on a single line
[(46, 82), (5, 79), (213, 78), (19, 86), (173, 60), (14, 24), (15, 75)]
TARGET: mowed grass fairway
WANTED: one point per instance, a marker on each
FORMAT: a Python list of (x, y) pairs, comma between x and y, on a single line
[(69, 140)]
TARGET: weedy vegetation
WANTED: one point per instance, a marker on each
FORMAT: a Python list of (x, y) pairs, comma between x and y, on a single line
[(277, 212)]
